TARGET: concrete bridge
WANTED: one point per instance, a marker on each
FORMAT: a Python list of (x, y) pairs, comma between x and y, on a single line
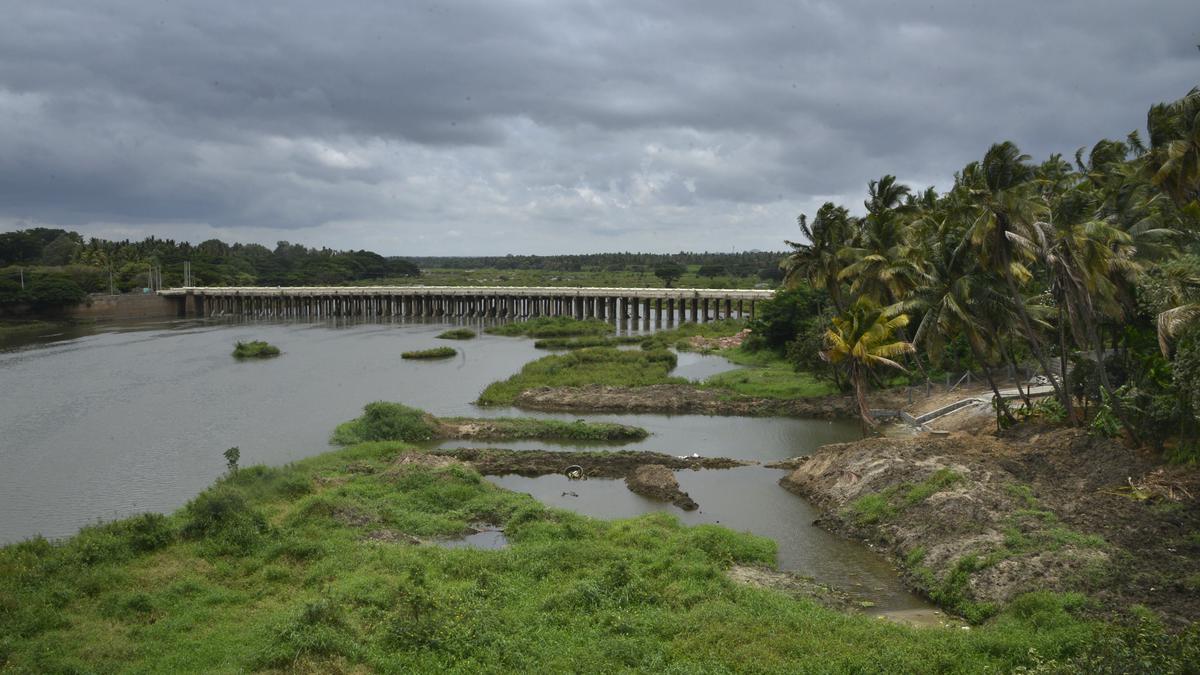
[(669, 305)]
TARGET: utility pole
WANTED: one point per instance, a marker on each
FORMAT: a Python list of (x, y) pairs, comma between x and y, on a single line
[(22, 271)]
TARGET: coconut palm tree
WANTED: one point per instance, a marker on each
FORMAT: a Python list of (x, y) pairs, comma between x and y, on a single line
[(862, 339), (817, 261), (1009, 231), (1174, 156)]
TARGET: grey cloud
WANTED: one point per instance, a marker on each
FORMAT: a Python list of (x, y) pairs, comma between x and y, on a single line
[(544, 126)]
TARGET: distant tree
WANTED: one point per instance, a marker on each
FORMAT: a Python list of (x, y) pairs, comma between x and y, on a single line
[(711, 270), (669, 272), (55, 292)]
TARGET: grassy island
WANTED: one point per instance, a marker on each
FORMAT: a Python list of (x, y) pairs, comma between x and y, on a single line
[(552, 327), (435, 353), (385, 421), (597, 365), (457, 334), (256, 349)]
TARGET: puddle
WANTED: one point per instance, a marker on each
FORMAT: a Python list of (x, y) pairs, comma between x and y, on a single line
[(486, 540)]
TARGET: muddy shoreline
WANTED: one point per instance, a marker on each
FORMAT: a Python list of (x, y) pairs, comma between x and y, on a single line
[(594, 464), (974, 520)]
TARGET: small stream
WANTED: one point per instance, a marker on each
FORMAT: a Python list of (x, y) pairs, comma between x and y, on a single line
[(103, 422)]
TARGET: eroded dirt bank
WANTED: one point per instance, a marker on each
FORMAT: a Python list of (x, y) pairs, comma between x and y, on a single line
[(975, 520), (679, 399), (617, 464)]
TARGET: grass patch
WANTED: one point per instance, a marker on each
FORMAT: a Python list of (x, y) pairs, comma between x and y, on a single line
[(552, 327), (457, 334), (598, 365), (435, 353), (256, 349), (315, 592), (778, 380), (385, 421), (679, 337), (585, 342), (513, 428)]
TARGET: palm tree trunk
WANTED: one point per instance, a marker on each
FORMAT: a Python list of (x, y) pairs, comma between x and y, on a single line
[(860, 394), (1035, 343), (1062, 364)]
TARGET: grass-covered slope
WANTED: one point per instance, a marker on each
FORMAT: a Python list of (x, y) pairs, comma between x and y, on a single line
[(331, 565)]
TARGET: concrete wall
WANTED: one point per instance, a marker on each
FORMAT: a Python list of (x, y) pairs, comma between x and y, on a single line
[(130, 306)]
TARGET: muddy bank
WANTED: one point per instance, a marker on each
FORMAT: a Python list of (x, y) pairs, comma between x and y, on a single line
[(617, 464), (975, 520), (658, 482), (679, 399)]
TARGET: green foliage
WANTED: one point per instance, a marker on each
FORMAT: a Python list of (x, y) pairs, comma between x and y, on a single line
[(435, 353), (769, 377), (791, 313), (585, 342), (600, 365), (232, 455), (384, 421), (457, 334), (224, 518), (668, 272), (552, 327), (256, 349)]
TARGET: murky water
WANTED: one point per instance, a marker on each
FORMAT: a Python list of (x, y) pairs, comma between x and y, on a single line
[(135, 418)]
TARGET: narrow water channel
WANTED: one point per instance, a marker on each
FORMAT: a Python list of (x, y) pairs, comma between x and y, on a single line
[(122, 419)]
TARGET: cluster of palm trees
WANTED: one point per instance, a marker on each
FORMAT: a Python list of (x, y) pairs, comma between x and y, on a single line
[(1024, 262)]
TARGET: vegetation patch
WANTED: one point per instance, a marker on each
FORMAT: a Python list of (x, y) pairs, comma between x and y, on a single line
[(552, 327), (585, 342), (457, 334), (385, 421), (435, 353), (256, 349), (316, 592), (768, 376), (598, 365)]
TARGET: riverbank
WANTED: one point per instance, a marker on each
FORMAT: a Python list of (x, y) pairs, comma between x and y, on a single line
[(977, 520), (678, 399), (343, 562)]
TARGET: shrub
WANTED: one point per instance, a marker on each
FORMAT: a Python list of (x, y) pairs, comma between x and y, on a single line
[(223, 516), (384, 421), (552, 327)]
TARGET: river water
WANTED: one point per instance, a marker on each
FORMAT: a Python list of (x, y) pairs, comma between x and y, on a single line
[(106, 422)]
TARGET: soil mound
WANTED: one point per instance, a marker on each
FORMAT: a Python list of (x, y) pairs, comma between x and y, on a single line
[(977, 519), (658, 482), (532, 463)]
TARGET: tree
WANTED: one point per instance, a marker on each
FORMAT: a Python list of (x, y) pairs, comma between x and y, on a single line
[(818, 261), (669, 272), (860, 340), (55, 292)]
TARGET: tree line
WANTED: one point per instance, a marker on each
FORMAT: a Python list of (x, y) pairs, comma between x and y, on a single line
[(47, 257), (1089, 270)]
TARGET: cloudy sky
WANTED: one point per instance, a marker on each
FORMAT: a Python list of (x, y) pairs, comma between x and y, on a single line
[(544, 127)]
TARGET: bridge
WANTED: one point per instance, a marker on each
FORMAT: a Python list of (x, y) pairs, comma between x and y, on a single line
[(669, 305)]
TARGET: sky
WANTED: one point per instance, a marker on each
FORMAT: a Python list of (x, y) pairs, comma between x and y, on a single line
[(527, 127)]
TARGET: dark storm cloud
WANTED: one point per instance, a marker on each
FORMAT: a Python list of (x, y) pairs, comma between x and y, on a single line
[(535, 127)]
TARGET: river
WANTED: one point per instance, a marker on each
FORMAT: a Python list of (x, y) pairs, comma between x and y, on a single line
[(109, 421)]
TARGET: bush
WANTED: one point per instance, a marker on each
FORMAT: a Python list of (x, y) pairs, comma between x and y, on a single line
[(55, 292), (552, 326), (458, 334), (384, 421), (223, 516)]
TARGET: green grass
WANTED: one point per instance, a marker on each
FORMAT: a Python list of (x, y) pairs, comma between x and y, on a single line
[(385, 421), (256, 349), (435, 353), (552, 327), (585, 342), (678, 337), (457, 334), (513, 428), (768, 375), (277, 569), (599, 365)]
